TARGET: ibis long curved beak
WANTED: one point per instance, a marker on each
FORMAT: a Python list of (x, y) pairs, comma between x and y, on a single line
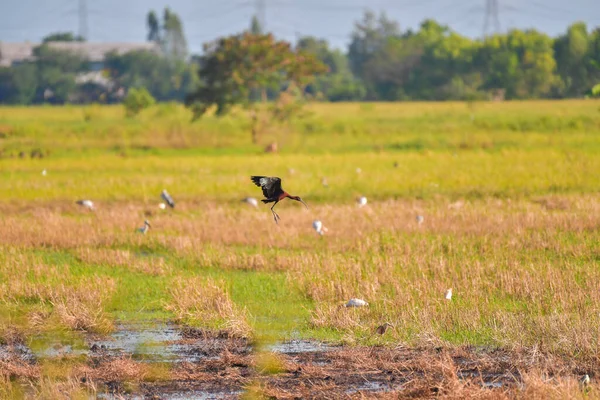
[(305, 205)]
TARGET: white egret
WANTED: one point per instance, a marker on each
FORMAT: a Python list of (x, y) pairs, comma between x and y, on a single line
[(44, 173), (586, 380), (144, 228), (167, 198), (420, 219), (319, 227), (250, 200), (356, 303), (449, 294), (86, 204), (162, 206), (361, 201)]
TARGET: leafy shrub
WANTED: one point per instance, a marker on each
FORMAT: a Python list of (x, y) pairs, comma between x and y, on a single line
[(137, 99)]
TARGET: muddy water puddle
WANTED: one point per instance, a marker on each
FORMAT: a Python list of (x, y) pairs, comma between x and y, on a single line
[(157, 343), (299, 346)]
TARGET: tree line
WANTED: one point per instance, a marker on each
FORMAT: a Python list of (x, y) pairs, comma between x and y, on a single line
[(381, 63)]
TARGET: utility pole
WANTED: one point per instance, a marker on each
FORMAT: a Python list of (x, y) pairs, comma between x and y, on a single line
[(261, 13), (491, 16), (83, 21)]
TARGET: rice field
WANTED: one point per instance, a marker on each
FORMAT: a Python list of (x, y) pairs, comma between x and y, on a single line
[(217, 300)]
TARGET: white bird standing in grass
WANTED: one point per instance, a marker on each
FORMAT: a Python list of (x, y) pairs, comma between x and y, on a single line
[(144, 228), (449, 294), (86, 204), (167, 198), (356, 303), (586, 380), (420, 219), (250, 200), (162, 206), (44, 173), (361, 201), (319, 227)]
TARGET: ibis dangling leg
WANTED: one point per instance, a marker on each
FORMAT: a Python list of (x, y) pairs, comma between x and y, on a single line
[(275, 215)]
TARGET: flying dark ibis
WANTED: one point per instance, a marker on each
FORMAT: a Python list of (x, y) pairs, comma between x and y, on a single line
[(271, 187)]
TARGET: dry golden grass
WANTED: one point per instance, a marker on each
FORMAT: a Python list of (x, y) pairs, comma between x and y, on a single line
[(522, 271), (67, 389), (82, 309), (122, 369), (206, 302), (77, 305)]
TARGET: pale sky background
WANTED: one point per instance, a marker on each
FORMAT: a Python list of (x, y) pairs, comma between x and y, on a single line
[(125, 20)]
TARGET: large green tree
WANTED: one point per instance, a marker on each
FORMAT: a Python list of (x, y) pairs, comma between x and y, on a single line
[(168, 34), (165, 79), (520, 62), (574, 53), (339, 84), (235, 66), (56, 72), (174, 43), (369, 37), (18, 84)]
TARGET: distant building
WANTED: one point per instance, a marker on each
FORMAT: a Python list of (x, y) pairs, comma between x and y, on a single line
[(17, 53)]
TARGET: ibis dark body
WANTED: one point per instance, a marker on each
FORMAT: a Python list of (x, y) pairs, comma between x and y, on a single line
[(273, 192)]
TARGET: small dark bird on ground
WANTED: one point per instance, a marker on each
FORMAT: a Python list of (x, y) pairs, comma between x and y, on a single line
[(381, 329), (167, 198), (271, 187)]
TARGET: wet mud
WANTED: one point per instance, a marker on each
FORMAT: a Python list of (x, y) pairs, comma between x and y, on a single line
[(203, 364)]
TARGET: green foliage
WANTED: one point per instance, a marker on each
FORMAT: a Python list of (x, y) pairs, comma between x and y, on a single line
[(62, 37), (169, 34), (165, 79), (339, 84), (173, 40), (382, 63), (137, 99), (596, 90), (255, 26), (56, 71), (235, 66), (18, 84), (153, 27)]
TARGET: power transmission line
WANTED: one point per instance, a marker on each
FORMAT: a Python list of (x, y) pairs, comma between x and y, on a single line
[(83, 19), (261, 13), (491, 15)]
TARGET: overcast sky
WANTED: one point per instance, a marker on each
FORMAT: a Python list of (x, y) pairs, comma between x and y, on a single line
[(124, 20)]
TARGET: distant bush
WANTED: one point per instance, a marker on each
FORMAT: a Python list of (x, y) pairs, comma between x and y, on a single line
[(137, 99), (596, 90)]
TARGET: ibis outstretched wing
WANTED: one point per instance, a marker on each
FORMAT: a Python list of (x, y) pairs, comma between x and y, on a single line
[(270, 185)]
